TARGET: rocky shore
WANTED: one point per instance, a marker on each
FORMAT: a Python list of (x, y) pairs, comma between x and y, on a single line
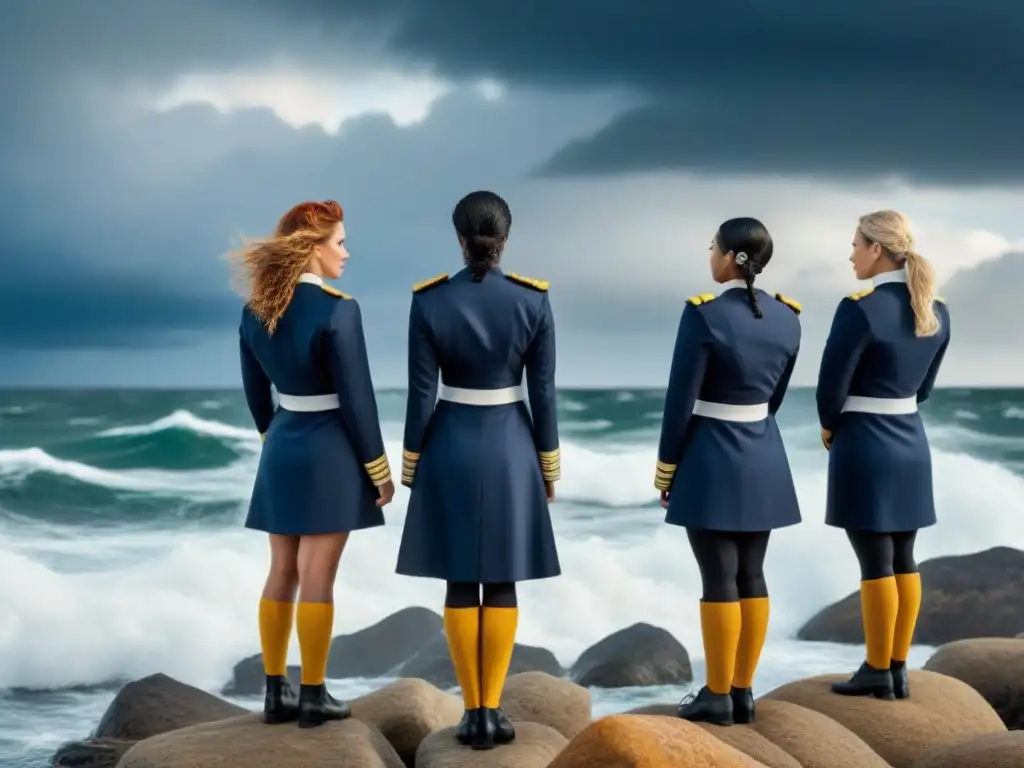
[(966, 711)]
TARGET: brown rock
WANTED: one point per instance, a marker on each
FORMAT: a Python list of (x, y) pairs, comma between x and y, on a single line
[(158, 704), (245, 742), (978, 595), (941, 710), (649, 741), (537, 697), (813, 740), (751, 743), (641, 654), (992, 750), (91, 753), (406, 712), (534, 747), (994, 667)]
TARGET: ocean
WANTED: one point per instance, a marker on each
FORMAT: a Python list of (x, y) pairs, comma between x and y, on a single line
[(122, 551)]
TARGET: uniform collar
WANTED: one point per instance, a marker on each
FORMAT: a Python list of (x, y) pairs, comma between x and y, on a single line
[(730, 284), (309, 277), (895, 276)]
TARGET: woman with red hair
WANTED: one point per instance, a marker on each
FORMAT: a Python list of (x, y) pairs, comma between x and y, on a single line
[(323, 472)]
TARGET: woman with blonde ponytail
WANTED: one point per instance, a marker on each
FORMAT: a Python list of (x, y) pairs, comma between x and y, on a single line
[(880, 362)]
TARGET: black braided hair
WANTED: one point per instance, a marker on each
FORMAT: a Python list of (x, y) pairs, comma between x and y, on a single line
[(482, 220), (751, 245)]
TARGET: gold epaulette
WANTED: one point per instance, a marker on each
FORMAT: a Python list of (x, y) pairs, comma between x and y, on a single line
[(332, 291), (940, 300), (861, 294), (436, 280), (701, 298), (791, 303), (538, 285)]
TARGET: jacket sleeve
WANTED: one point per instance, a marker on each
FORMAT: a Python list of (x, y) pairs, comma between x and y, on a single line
[(689, 360), (345, 352), (256, 385), (423, 377), (925, 390), (783, 386), (540, 384), (846, 341)]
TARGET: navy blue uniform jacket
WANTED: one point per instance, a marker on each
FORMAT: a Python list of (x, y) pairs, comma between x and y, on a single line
[(319, 470), (477, 510), (723, 475)]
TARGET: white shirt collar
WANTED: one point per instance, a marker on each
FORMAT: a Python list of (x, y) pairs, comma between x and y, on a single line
[(309, 277), (730, 284), (895, 276)]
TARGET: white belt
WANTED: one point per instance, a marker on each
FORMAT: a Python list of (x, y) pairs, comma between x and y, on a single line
[(480, 396), (308, 403), (885, 406), (725, 412)]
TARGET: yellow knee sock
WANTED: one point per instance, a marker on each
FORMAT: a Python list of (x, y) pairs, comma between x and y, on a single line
[(462, 629), (720, 625), (908, 587), (276, 620), (314, 622), (879, 603), (497, 639), (754, 613)]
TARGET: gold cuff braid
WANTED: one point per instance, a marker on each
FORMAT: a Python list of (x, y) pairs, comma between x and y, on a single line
[(379, 470), (410, 461), (551, 464), (663, 475)]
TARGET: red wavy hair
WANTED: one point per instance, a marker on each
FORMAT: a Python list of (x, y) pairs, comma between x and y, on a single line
[(270, 268)]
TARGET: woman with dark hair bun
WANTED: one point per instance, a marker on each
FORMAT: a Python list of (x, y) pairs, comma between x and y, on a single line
[(722, 468), (482, 467)]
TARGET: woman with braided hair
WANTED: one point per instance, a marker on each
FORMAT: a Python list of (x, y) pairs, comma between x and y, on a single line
[(722, 468), (881, 360)]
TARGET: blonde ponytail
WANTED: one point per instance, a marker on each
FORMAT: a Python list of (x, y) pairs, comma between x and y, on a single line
[(921, 284)]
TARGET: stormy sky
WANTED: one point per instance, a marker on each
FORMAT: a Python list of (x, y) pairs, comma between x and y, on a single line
[(139, 141)]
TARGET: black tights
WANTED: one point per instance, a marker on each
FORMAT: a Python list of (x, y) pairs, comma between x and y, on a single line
[(883, 554), (466, 594), (731, 564)]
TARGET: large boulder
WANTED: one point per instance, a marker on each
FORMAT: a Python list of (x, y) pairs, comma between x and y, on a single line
[(649, 741), (964, 596), (535, 746), (788, 736), (406, 712), (992, 750), (537, 697), (246, 741), (941, 711), (994, 667), (638, 655), (434, 664), (376, 651)]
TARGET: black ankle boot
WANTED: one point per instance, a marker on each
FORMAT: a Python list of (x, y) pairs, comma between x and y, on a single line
[(504, 732), (707, 707), (742, 705), (317, 706), (280, 705), (867, 681), (900, 679), (468, 726), (486, 730)]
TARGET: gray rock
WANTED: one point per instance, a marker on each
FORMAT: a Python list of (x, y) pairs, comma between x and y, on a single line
[(638, 655)]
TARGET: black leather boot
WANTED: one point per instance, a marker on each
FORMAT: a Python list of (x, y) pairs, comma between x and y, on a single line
[(468, 726), (900, 679), (867, 681), (280, 705), (317, 706), (742, 705), (707, 707), (504, 732), (487, 729)]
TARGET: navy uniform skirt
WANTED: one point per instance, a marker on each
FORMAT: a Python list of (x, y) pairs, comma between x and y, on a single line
[(880, 474), (733, 477), (310, 480), (477, 511)]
